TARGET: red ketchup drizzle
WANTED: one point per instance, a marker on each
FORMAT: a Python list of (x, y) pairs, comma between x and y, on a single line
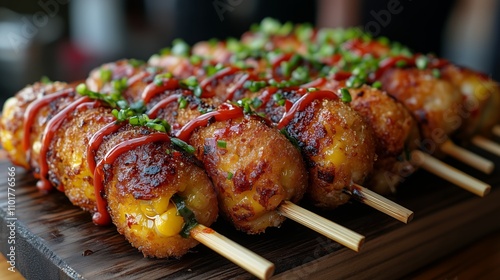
[(302, 103), (88, 105), (226, 111), (217, 76), (316, 83), (33, 109), (361, 48), (238, 85), (136, 78), (152, 89), (331, 60), (342, 75), (265, 96), (391, 62), (101, 217), (48, 134), (96, 140), (153, 112)]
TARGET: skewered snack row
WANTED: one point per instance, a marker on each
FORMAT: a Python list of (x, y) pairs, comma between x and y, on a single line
[(138, 176), (245, 155), (440, 97)]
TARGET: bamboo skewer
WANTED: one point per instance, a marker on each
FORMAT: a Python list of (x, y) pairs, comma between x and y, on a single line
[(467, 157), (450, 174), (486, 145), (381, 203), (338, 233), (496, 130), (234, 252)]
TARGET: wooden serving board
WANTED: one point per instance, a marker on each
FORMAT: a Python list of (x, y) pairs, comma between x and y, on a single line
[(57, 240)]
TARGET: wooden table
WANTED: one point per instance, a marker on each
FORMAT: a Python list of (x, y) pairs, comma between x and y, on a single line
[(54, 235)]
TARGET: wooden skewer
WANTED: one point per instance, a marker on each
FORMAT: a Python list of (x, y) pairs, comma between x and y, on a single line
[(234, 252), (486, 145), (449, 173), (465, 156), (496, 130), (334, 231), (381, 203)]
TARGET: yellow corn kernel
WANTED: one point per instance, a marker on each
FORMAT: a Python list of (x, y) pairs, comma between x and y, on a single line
[(89, 191), (76, 160), (147, 209), (169, 223), (248, 196), (196, 201), (160, 204), (36, 147)]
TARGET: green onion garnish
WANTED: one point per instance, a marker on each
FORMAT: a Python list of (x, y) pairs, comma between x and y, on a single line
[(377, 85), (106, 75), (188, 215), (345, 95), (436, 73), (183, 145), (422, 62), (221, 144)]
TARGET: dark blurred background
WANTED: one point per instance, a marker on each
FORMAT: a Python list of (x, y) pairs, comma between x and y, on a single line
[(65, 39)]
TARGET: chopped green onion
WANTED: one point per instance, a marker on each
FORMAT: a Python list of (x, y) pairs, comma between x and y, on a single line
[(182, 102), (180, 48), (120, 84), (311, 89), (138, 107), (422, 62), (377, 85), (279, 99), (45, 80), (190, 82), (230, 175), (256, 103), (183, 145), (158, 79), (436, 73), (197, 91), (189, 218), (136, 62), (105, 74), (300, 74), (221, 144), (401, 63), (195, 59), (345, 95)]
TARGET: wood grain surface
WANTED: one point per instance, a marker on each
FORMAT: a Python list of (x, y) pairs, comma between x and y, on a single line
[(58, 240)]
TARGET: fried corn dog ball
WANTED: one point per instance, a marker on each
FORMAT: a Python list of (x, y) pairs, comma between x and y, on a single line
[(479, 112), (338, 146), (433, 102), (68, 160), (12, 122), (254, 169), (139, 186), (395, 133)]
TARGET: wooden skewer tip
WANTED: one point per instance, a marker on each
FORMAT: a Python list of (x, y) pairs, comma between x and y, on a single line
[(246, 259), (336, 232), (482, 164), (450, 173), (486, 145), (381, 203)]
